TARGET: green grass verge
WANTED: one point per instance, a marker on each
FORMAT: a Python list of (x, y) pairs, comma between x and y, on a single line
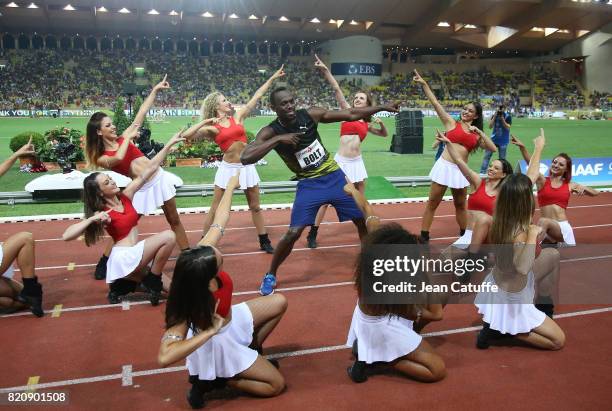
[(580, 138)]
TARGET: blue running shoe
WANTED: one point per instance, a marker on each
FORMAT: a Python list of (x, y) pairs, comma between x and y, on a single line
[(268, 284)]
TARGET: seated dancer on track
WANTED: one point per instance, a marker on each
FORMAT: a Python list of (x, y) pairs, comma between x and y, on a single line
[(19, 247), (352, 134), (221, 342), (386, 332), (295, 138), (481, 201), (225, 128), (553, 197), (104, 149), (520, 263), (107, 207), (467, 136)]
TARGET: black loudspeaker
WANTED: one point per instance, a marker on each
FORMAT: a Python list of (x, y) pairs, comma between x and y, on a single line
[(408, 137), (129, 88)]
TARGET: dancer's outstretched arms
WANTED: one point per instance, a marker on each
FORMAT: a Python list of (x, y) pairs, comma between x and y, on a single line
[(484, 141), (217, 228), (148, 103), (447, 120), (75, 230), (522, 148), (200, 130), (580, 190), (139, 181), (320, 115), (332, 82), (264, 142), (252, 103), (533, 171), (472, 176), (381, 130), (26, 150)]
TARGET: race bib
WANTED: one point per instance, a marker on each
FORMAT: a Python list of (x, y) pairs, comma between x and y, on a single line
[(312, 156)]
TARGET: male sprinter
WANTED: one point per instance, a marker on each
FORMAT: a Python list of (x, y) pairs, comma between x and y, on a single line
[(295, 138)]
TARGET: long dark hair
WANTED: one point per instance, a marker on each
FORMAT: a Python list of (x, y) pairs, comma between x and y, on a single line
[(93, 201), (94, 145), (478, 121), (567, 174), (189, 299), (391, 234), (513, 211)]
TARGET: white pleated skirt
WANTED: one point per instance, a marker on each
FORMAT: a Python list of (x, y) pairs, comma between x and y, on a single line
[(248, 175), (382, 338), (464, 241), (123, 260), (447, 174), (10, 271), (510, 313), (159, 189), (354, 168), (227, 353), (568, 234)]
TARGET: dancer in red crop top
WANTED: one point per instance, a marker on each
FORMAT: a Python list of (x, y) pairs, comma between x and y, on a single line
[(481, 201), (221, 342), (352, 134), (107, 207), (466, 135), (553, 196), (226, 128), (105, 149)]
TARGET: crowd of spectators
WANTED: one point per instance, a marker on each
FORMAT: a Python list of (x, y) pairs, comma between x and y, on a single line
[(602, 101), (51, 79)]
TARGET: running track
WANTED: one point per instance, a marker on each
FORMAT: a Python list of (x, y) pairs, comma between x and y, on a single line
[(105, 356)]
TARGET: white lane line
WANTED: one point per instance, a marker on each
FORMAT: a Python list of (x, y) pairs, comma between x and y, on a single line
[(297, 353), (125, 305), (126, 376), (329, 223)]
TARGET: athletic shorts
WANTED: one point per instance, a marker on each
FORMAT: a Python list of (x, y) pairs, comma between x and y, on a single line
[(312, 193)]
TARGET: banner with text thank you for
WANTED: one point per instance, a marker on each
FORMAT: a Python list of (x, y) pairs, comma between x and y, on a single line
[(593, 171), (356, 69)]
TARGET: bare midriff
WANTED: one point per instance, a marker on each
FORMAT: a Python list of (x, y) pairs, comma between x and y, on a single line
[(350, 146)]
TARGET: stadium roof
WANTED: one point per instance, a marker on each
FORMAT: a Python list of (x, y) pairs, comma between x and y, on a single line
[(540, 25)]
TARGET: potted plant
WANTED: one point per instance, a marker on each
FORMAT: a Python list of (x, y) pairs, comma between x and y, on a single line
[(190, 154), (21, 139)]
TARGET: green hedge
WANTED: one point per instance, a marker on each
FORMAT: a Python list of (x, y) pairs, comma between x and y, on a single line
[(22, 138)]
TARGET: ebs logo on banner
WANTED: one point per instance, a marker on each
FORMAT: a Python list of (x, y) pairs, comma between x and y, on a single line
[(588, 171), (356, 69)]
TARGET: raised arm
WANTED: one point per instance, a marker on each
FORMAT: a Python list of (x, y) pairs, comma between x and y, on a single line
[(522, 148), (217, 228), (26, 150), (381, 130), (342, 103), (201, 130), (148, 103), (447, 120), (261, 91), (174, 347), (264, 142), (320, 115), (75, 230), (472, 176), (128, 135), (154, 164), (533, 171), (525, 248), (372, 220)]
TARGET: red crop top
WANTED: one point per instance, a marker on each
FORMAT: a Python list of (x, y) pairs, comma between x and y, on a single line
[(479, 200), (549, 195), (123, 167), (351, 128), (459, 136), (228, 135), (224, 294), (122, 223)]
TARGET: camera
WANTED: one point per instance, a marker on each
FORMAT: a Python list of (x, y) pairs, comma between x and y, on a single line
[(500, 110), (145, 144)]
